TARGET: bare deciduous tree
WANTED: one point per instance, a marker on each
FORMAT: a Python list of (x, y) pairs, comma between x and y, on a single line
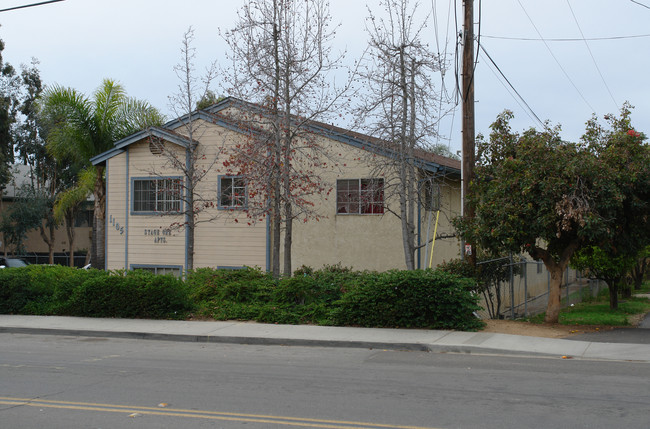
[(281, 59), (398, 106), (192, 160)]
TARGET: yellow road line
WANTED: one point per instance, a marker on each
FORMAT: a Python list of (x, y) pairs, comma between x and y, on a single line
[(212, 415)]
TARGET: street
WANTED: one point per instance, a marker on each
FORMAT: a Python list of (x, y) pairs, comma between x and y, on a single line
[(75, 382)]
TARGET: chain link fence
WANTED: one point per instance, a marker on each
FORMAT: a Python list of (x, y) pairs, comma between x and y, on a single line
[(525, 292)]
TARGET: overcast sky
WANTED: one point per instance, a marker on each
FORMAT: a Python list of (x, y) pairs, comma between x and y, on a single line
[(137, 42)]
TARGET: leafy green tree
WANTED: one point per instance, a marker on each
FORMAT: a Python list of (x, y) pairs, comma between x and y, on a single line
[(9, 85), (207, 100), (28, 135), (24, 215), (86, 127), (603, 265), (69, 203), (534, 192), (623, 151), (640, 268), (46, 176)]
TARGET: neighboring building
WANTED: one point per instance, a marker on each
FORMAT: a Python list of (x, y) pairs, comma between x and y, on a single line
[(36, 250), (142, 198)]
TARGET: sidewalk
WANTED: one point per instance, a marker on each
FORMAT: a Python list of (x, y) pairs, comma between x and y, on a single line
[(322, 336)]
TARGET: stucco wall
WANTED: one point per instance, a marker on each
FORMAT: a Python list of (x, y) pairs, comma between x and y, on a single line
[(231, 239), (366, 241), (34, 242)]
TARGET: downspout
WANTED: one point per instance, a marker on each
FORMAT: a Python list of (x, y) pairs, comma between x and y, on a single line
[(105, 219), (268, 244), (419, 232), (126, 214)]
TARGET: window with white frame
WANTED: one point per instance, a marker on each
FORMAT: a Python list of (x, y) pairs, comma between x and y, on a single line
[(360, 196), (157, 195), (232, 192)]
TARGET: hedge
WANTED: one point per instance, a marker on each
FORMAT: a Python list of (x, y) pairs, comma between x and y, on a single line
[(410, 299), (65, 291), (333, 295)]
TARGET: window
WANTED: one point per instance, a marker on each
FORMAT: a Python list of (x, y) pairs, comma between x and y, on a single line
[(175, 270), (232, 192), (360, 196), (157, 195), (431, 197), (84, 218)]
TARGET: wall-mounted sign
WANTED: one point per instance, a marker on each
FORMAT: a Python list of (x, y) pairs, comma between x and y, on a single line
[(113, 222), (159, 235)]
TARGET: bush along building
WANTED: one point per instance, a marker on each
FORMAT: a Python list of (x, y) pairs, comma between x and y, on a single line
[(203, 190)]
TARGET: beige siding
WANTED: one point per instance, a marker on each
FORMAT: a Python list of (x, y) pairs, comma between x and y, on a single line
[(444, 249), (157, 240), (225, 238), (116, 228)]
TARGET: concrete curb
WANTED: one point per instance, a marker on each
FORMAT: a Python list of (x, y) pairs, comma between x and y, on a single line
[(214, 339), (236, 332)]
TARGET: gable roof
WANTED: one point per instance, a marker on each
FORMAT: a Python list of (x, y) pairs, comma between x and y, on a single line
[(162, 133), (428, 161)]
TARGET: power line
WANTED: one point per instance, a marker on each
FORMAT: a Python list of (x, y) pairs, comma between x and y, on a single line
[(591, 54), (555, 58), (531, 39), (640, 4), (528, 108), (30, 5), (500, 78)]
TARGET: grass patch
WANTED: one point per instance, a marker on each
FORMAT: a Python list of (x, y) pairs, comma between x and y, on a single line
[(599, 313)]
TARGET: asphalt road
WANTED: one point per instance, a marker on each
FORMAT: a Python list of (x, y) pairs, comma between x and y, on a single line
[(64, 382)]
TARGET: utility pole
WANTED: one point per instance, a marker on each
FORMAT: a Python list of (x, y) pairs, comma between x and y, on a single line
[(469, 250)]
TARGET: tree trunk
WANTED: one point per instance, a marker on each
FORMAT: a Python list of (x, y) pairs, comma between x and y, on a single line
[(51, 243), (69, 229), (556, 269), (49, 240), (553, 307), (288, 239), (98, 256), (638, 272), (4, 243), (405, 134), (190, 241), (612, 284), (190, 211)]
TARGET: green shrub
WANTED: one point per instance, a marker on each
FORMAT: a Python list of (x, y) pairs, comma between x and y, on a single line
[(55, 285), (411, 299), (40, 289), (307, 290), (15, 292), (137, 294), (247, 284)]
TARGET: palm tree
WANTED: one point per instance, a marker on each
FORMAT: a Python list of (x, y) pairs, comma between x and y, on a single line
[(85, 127)]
